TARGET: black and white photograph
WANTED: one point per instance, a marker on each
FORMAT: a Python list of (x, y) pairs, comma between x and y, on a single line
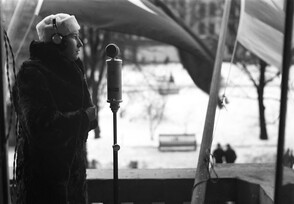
[(147, 102)]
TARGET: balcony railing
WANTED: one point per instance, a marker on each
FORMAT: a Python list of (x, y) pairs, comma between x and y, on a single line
[(238, 183), (234, 184)]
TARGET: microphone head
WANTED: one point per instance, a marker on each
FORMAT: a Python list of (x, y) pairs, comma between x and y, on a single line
[(112, 50)]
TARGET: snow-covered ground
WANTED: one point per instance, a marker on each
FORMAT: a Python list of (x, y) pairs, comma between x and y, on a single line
[(185, 112)]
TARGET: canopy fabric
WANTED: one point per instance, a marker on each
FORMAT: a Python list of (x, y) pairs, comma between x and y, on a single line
[(261, 29), (138, 17), (142, 18), (200, 70)]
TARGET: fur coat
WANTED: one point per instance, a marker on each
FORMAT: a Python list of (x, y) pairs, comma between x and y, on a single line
[(50, 96)]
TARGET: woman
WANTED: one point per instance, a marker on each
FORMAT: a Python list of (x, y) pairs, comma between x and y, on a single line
[(55, 113)]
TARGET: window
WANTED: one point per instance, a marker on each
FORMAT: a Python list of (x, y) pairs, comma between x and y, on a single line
[(212, 9), (211, 28), (201, 28)]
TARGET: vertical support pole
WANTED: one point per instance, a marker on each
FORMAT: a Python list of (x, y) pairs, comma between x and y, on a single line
[(114, 107), (199, 190), (4, 175), (287, 55)]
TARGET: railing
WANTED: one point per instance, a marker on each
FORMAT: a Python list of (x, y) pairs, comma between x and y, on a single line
[(142, 186), (234, 184), (172, 186)]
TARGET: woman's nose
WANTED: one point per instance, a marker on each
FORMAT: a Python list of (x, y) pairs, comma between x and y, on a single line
[(80, 43)]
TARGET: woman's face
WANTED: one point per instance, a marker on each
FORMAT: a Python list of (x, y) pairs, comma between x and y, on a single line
[(72, 46)]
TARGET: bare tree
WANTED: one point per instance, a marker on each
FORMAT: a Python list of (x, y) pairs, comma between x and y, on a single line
[(245, 59), (260, 85), (94, 58), (155, 113)]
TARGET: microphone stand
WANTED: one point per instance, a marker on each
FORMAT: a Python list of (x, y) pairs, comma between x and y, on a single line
[(114, 97), (114, 108)]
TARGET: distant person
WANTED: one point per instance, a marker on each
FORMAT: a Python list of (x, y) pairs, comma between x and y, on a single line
[(230, 154), (292, 159), (218, 154), (93, 164), (288, 158)]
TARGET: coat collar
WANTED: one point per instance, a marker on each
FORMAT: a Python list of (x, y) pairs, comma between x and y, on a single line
[(50, 55)]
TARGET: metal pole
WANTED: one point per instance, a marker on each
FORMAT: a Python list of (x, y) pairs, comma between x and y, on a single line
[(114, 107), (4, 175), (202, 174), (287, 55)]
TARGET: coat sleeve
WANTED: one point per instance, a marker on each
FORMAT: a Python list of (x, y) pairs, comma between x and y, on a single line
[(47, 127), (93, 124)]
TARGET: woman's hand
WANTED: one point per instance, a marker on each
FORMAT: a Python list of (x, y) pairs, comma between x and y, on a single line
[(91, 113)]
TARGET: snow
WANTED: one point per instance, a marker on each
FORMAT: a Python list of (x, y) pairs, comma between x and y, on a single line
[(236, 124)]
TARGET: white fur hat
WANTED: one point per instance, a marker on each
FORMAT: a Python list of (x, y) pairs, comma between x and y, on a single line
[(65, 24)]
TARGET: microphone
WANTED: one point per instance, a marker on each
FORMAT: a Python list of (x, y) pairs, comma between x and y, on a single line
[(112, 50), (114, 98), (114, 81)]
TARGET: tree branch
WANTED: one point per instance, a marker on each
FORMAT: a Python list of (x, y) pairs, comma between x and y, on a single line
[(245, 69)]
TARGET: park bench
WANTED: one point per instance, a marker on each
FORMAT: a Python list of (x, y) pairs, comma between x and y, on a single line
[(177, 142)]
